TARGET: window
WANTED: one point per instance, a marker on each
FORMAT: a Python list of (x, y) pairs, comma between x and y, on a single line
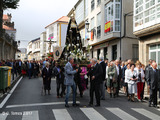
[(98, 2), (154, 51), (92, 23), (80, 12), (92, 5), (98, 53), (117, 11), (135, 52), (99, 25), (112, 15), (114, 52), (105, 53), (117, 25), (86, 8)]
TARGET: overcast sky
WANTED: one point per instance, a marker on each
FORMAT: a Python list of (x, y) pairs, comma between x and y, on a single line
[(33, 16)]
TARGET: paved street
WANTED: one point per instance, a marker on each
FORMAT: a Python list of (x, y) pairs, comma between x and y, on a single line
[(27, 103)]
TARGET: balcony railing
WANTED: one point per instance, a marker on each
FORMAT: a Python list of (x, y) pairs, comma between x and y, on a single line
[(9, 39)]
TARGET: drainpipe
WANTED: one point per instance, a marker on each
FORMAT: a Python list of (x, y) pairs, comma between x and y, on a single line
[(120, 30)]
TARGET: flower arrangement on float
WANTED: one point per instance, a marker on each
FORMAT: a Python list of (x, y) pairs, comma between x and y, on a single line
[(50, 55)]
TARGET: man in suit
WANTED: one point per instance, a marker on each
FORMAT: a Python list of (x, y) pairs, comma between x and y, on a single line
[(96, 78), (102, 85), (148, 67), (152, 81), (119, 76), (59, 79), (30, 66), (69, 81)]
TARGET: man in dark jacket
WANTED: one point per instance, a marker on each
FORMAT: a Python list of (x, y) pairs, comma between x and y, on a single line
[(119, 76), (96, 74), (57, 70), (102, 85), (147, 67), (153, 80)]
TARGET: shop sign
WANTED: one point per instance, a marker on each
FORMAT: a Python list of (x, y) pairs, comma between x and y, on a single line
[(101, 46)]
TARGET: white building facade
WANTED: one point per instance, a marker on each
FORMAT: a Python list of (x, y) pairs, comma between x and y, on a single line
[(147, 27), (56, 32), (33, 49), (43, 45), (21, 54), (111, 33)]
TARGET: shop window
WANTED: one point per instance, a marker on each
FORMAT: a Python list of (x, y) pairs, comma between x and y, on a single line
[(153, 47), (159, 59), (114, 52), (153, 55)]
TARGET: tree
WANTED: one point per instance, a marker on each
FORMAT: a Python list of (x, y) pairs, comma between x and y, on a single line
[(6, 4)]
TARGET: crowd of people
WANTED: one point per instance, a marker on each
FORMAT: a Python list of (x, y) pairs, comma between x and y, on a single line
[(102, 74)]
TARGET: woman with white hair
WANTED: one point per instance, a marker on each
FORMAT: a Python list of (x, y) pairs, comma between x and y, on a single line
[(46, 74)]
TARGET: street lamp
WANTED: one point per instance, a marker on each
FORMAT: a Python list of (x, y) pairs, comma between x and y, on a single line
[(18, 43), (87, 27)]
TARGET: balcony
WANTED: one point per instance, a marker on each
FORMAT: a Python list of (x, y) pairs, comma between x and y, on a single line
[(9, 40)]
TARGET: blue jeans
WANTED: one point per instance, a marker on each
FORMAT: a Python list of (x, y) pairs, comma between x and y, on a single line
[(68, 87)]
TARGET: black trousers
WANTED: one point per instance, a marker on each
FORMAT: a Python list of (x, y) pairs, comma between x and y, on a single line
[(118, 87), (153, 96), (62, 86), (95, 88), (79, 86)]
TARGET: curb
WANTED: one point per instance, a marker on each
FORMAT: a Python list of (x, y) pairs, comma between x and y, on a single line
[(2, 96)]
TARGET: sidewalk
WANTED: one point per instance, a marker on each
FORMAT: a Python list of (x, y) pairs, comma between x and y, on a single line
[(13, 82)]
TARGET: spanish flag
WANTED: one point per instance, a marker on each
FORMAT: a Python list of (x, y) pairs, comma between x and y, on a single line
[(107, 27)]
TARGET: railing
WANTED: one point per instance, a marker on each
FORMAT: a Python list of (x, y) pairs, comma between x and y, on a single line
[(9, 39)]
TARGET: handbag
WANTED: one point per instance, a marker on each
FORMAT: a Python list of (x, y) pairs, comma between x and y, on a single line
[(114, 80), (85, 76)]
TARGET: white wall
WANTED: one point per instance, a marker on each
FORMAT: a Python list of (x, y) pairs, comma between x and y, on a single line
[(63, 34)]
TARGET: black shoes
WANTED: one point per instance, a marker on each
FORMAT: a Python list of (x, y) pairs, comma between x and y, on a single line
[(90, 105), (66, 105), (97, 105), (75, 105), (155, 106), (102, 98)]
